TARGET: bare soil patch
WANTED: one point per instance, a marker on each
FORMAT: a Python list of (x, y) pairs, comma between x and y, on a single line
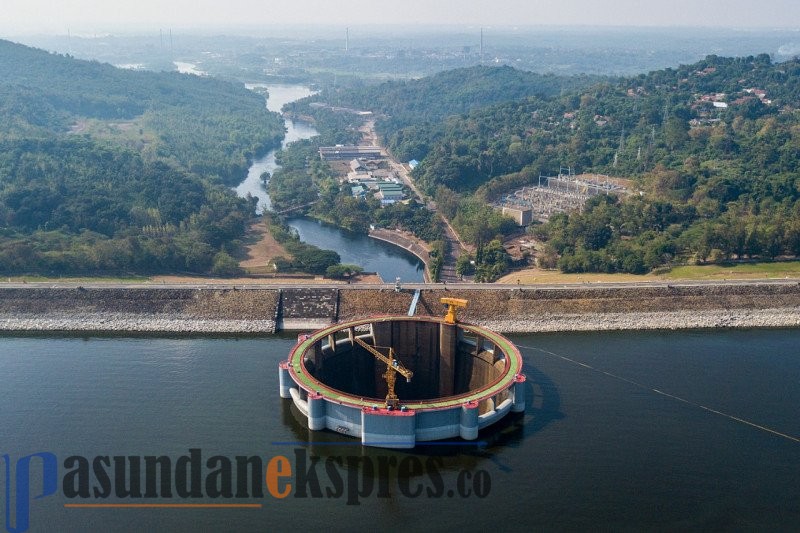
[(261, 248)]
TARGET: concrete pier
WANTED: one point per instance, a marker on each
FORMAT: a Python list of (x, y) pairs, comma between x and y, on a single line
[(519, 394), (285, 382), (316, 411), (468, 429)]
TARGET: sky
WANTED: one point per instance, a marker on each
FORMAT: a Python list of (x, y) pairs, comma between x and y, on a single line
[(60, 16)]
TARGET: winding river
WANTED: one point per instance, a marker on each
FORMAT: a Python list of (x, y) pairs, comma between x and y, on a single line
[(279, 95), (389, 261)]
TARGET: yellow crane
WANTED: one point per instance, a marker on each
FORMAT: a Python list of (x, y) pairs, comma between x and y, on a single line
[(452, 307), (393, 366)]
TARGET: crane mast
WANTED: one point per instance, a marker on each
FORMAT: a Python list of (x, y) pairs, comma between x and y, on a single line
[(393, 367)]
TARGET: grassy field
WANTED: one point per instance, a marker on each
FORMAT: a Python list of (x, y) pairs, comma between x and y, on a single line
[(789, 269), (132, 134), (261, 248)]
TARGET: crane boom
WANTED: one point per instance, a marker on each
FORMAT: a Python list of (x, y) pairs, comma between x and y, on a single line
[(393, 367), (390, 361)]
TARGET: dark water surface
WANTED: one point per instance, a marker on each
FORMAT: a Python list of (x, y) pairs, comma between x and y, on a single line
[(593, 450), (388, 260)]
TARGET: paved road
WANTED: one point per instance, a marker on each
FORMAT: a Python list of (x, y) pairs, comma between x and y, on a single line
[(218, 285), (454, 244)]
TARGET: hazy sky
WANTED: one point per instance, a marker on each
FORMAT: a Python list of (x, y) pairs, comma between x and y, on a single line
[(56, 16)]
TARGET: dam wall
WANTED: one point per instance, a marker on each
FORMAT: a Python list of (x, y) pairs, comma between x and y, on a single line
[(304, 308), (257, 309), (594, 307), (138, 309)]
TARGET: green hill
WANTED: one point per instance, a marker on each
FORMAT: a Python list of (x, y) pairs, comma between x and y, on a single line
[(109, 170), (713, 147)]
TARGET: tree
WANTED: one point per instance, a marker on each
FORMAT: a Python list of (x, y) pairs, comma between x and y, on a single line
[(343, 271), (225, 266), (464, 265)]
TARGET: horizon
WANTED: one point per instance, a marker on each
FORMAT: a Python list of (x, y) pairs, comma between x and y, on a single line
[(323, 32), (40, 17)]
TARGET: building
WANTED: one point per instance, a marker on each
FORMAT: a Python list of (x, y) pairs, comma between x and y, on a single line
[(389, 192), (521, 215), (389, 197), (349, 152), (358, 191), (357, 166)]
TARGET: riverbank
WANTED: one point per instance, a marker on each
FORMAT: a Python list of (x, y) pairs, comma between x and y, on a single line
[(260, 309), (407, 242)]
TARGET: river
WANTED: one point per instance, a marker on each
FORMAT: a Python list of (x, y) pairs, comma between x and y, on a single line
[(643, 438), (279, 95), (389, 261)]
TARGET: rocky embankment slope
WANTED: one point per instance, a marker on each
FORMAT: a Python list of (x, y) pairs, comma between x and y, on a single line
[(592, 308), (158, 310), (259, 310)]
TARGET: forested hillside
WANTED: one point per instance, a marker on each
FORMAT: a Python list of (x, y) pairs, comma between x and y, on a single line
[(207, 125), (410, 109), (714, 148), (107, 170), (711, 110)]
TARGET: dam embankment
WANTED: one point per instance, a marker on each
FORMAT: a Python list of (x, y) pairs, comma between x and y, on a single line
[(259, 310)]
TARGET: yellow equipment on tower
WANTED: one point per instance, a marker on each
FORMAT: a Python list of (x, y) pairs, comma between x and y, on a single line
[(452, 307)]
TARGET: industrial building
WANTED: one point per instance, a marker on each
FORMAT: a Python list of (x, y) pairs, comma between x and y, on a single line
[(521, 215), (559, 194), (348, 152)]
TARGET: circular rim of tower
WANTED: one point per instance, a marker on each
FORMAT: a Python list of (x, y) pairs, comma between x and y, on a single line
[(304, 379)]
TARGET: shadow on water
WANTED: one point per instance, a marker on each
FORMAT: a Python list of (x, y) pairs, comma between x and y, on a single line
[(542, 400)]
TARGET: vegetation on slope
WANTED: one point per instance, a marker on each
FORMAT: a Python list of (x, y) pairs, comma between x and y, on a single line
[(713, 148), (148, 195)]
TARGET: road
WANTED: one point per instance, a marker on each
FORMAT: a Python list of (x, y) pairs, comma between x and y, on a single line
[(454, 250), (221, 285), (455, 247)]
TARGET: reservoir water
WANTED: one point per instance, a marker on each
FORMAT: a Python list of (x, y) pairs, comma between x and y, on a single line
[(389, 261), (372, 255), (660, 431)]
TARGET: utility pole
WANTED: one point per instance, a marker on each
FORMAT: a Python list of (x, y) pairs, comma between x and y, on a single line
[(481, 46)]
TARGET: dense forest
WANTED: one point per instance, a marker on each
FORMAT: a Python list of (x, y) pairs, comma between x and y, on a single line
[(411, 113), (108, 170), (207, 125), (411, 110), (712, 147)]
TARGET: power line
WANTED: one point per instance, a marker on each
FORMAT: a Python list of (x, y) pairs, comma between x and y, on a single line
[(666, 394)]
